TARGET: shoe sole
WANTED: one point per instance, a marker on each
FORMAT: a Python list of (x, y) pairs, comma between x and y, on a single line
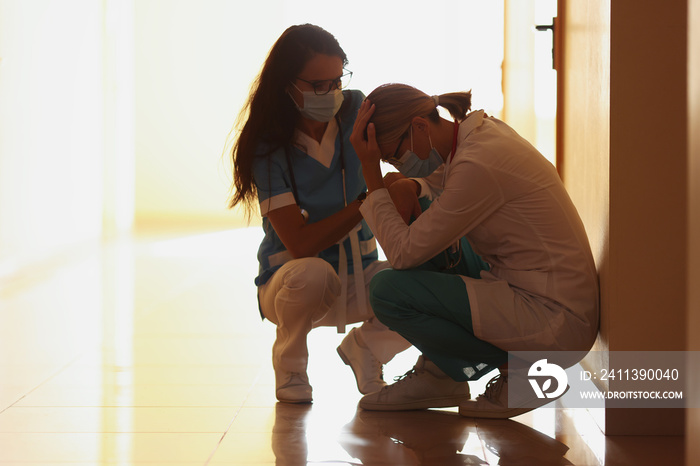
[(302, 396), (415, 405), (298, 402)]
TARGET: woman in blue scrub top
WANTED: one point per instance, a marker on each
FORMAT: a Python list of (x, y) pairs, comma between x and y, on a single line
[(293, 158)]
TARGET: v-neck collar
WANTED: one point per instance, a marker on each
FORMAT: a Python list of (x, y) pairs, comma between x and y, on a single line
[(321, 152)]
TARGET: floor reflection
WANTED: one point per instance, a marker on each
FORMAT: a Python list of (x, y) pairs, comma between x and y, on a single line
[(419, 437), (289, 433), (430, 437), (152, 351), (515, 443)]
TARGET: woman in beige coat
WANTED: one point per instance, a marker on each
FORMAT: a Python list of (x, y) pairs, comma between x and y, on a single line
[(533, 285)]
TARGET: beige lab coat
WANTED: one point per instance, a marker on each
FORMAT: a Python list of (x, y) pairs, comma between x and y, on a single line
[(541, 293)]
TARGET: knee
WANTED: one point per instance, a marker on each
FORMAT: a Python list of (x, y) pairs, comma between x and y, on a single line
[(386, 283), (380, 282), (314, 284), (314, 276), (384, 294)]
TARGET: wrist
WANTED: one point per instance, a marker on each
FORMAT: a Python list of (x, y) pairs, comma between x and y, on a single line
[(373, 177), (418, 187)]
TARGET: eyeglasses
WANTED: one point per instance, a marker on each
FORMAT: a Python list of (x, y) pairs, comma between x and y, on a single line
[(328, 85), (394, 159)]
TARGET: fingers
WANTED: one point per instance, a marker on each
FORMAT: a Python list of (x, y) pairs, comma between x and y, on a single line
[(416, 209), (363, 137), (371, 130), (411, 212), (363, 115), (366, 111), (371, 136)]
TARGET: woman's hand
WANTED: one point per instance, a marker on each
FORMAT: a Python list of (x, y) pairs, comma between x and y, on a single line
[(364, 140), (363, 136), (403, 193)]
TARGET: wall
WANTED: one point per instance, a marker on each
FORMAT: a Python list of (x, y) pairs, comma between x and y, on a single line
[(648, 166), (583, 134), (51, 127), (529, 78), (586, 129), (193, 65), (518, 68), (693, 332), (648, 192), (118, 76), (632, 193)]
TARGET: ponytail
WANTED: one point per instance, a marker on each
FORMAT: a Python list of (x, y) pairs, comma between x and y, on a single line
[(457, 103)]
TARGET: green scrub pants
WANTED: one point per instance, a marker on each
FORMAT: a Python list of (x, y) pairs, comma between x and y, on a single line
[(429, 307)]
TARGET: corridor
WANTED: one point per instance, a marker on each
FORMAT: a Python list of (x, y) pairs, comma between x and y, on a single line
[(150, 350)]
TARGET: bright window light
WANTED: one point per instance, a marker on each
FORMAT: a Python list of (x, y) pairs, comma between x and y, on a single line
[(442, 46)]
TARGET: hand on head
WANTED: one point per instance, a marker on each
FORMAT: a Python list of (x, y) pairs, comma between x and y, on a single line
[(364, 138)]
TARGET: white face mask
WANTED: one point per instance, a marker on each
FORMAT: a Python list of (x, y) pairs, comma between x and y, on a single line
[(413, 166), (320, 107)]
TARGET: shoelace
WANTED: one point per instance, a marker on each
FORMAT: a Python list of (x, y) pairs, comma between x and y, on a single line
[(494, 387), (406, 376), (378, 365)]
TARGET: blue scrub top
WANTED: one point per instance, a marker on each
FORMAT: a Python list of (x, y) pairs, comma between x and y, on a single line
[(320, 191)]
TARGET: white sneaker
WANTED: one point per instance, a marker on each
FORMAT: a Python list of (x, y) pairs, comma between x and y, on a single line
[(494, 403), (425, 386), (367, 369), (293, 387)]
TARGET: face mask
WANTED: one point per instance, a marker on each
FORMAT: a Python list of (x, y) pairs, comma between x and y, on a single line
[(320, 107), (413, 166)]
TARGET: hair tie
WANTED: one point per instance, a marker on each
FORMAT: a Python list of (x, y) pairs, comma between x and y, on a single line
[(436, 99)]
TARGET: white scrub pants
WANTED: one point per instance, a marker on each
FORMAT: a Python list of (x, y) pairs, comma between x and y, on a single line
[(301, 295)]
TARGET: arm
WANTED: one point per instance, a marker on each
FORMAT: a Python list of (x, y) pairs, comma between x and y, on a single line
[(470, 196), (367, 149), (431, 186), (307, 240), (277, 203), (404, 193)]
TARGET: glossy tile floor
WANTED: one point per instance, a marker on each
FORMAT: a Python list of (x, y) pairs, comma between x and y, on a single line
[(150, 350)]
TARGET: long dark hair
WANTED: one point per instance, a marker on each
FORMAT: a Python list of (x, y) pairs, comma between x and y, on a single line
[(269, 114)]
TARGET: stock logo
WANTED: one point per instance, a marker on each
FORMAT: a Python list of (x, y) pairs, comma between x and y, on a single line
[(540, 376)]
